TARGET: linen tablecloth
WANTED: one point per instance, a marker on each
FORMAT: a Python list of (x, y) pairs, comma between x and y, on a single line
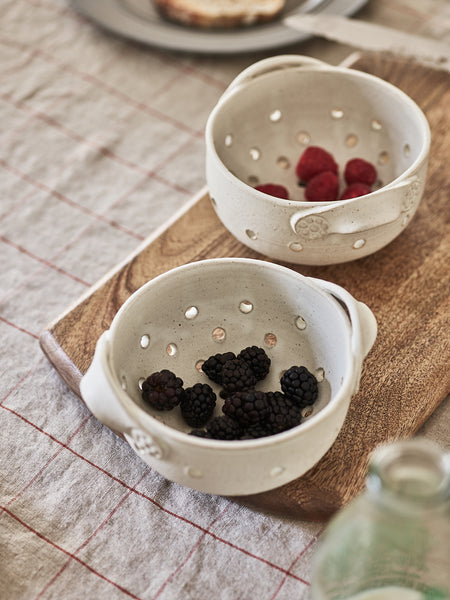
[(102, 142)]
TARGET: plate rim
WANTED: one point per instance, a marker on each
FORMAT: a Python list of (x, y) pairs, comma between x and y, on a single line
[(114, 16)]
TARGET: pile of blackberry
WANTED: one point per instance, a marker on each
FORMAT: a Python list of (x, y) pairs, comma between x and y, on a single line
[(247, 413)]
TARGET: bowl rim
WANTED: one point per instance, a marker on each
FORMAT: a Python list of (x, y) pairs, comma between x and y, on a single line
[(154, 426), (322, 68)]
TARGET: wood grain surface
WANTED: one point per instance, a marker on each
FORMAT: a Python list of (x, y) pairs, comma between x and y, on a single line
[(406, 284)]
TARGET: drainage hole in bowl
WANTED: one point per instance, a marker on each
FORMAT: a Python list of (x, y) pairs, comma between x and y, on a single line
[(245, 306), (303, 138), (193, 472), (251, 234), (359, 244), (140, 382), (252, 180), (255, 154), (275, 471), (172, 349), (283, 162), (300, 323), (376, 125), (145, 341), (275, 115), (228, 140), (336, 113), (191, 312), (295, 247), (270, 340), (124, 383), (351, 140), (406, 149), (199, 365), (320, 374), (383, 158), (219, 334)]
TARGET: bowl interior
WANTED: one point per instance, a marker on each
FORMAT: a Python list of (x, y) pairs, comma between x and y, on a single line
[(181, 318), (261, 129)]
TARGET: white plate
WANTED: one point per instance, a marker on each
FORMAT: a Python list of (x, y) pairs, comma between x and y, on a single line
[(140, 21)]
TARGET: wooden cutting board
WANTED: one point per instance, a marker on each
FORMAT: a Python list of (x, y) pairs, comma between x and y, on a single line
[(406, 284)]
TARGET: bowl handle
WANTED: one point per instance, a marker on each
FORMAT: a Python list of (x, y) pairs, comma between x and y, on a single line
[(374, 210), (100, 393), (362, 319), (268, 65)]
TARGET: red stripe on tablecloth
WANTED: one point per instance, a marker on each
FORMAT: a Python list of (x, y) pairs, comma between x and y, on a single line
[(59, 196), (21, 380), (11, 324), (88, 142), (167, 58), (300, 554), (86, 542), (42, 260), (98, 83), (191, 552), (45, 539), (157, 504), (50, 460)]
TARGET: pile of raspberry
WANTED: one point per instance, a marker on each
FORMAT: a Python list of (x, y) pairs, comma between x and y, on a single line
[(247, 413), (317, 171)]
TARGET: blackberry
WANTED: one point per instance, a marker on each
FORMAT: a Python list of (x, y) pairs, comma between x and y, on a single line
[(300, 386), (282, 414), (223, 428), (237, 376), (256, 431), (163, 390), (200, 433), (198, 404), (212, 367), (247, 408), (257, 360)]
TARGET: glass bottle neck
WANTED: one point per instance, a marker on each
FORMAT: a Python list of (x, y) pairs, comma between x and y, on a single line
[(412, 474)]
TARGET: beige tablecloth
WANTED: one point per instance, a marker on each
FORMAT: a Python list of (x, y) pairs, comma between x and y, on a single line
[(101, 142)]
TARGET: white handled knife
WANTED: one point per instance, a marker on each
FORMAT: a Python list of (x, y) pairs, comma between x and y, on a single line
[(370, 36)]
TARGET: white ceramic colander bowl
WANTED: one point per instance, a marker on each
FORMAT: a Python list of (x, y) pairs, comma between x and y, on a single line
[(266, 118), (180, 318)]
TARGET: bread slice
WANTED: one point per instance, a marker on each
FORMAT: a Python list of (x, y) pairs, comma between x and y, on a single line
[(220, 13)]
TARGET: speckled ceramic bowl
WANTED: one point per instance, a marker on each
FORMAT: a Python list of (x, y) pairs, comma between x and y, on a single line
[(179, 319), (267, 117)]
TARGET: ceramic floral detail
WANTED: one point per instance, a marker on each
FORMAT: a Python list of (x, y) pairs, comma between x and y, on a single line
[(312, 227)]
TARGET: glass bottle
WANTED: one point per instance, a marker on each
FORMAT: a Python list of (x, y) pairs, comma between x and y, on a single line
[(393, 541)]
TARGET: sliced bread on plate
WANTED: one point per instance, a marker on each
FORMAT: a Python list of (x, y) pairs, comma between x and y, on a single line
[(219, 13)]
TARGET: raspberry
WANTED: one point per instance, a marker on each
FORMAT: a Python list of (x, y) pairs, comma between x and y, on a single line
[(300, 386), (257, 360), (314, 160), (354, 190), (237, 376), (212, 367), (283, 414), (223, 428), (358, 170), (247, 408), (323, 187), (198, 404), (273, 189), (163, 390)]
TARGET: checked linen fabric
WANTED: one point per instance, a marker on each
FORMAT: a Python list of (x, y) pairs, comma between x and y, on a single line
[(101, 141)]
